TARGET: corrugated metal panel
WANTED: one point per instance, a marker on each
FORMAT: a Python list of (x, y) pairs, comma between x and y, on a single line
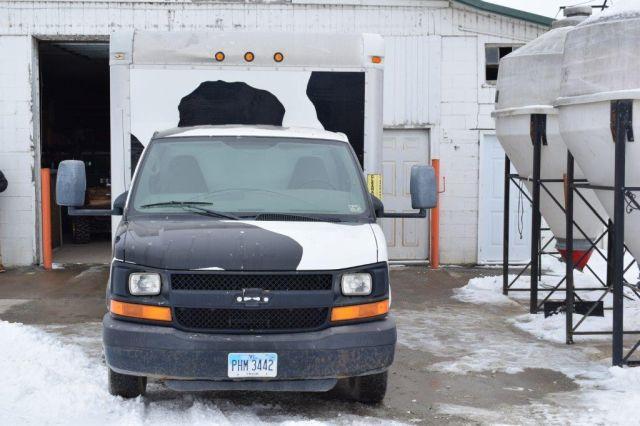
[(407, 86)]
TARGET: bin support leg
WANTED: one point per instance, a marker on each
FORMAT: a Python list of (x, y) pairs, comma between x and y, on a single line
[(505, 226), (569, 298), (538, 138), (621, 114)]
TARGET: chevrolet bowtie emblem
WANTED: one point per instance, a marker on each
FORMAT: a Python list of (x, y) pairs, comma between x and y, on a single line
[(253, 296)]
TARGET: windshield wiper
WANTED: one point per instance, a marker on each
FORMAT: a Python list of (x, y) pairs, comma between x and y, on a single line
[(176, 203), (193, 205), (293, 218)]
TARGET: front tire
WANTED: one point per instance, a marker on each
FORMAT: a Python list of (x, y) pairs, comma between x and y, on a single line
[(126, 386), (369, 389)]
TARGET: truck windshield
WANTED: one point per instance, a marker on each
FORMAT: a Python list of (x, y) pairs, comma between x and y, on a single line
[(250, 176)]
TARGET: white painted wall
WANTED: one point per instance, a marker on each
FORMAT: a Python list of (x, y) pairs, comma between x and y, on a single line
[(434, 78), (18, 202)]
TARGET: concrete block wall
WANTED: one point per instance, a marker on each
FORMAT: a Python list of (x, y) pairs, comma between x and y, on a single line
[(18, 202), (459, 149), (467, 101)]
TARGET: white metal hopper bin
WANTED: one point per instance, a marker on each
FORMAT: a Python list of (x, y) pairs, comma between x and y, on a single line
[(528, 83), (601, 64)]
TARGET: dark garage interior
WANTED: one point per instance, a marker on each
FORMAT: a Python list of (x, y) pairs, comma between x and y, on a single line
[(74, 102)]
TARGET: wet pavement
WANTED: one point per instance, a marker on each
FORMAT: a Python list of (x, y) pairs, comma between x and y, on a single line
[(455, 362)]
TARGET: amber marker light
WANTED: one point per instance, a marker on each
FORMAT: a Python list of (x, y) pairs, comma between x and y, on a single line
[(368, 310), (249, 56), (135, 310), (219, 56), (376, 59), (278, 57)]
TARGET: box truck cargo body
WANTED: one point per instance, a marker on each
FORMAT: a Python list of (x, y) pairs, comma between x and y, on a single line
[(161, 80), (246, 253)]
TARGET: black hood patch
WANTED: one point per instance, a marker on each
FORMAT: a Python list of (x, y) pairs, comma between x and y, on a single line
[(207, 244)]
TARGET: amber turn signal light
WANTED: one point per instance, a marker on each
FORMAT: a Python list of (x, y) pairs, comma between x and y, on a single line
[(219, 56), (135, 310), (368, 310), (376, 59), (278, 57), (249, 56)]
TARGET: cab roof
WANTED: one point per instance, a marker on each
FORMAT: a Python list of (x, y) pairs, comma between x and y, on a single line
[(247, 130)]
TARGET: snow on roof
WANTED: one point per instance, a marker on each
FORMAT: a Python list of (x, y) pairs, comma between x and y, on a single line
[(257, 131)]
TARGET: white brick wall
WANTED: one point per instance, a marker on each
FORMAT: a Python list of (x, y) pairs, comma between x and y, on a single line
[(459, 149), (442, 89), (18, 202)]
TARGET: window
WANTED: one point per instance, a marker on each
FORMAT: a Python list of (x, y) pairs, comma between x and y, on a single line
[(493, 54), (246, 176)]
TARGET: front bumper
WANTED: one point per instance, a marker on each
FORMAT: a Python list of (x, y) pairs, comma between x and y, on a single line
[(168, 353)]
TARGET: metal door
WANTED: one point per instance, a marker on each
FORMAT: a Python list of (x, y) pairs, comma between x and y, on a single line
[(407, 239), (491, 206)]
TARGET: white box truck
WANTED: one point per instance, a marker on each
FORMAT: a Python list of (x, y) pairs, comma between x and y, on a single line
[(246, 251)]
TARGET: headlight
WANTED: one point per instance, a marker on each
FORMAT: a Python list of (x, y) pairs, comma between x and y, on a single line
[(358, 284), (144, 284)]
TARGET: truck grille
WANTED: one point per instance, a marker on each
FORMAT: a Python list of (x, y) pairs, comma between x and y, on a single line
[(228, 281), (251, 319)]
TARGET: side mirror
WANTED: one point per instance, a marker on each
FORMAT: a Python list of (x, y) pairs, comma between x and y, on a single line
[(424, 187), (71, 183), (424, 194), (119, 203)]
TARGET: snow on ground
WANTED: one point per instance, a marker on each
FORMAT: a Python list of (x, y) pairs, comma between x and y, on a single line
[(613, 400), (46, 380), (471, 340), (607, 395), (488, 290), (483, 290)]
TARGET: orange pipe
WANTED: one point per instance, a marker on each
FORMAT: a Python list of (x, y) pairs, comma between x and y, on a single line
[(434, 256), (45, 187)]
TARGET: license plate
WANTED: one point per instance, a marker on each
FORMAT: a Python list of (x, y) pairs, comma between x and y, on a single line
[(252, 365)]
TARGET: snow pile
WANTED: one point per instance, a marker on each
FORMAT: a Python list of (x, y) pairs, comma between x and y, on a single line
[(483, 290), (553, 327), (44, 381)]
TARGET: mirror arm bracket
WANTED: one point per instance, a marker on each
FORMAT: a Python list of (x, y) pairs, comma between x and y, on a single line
[(421, 214), (74, 211)]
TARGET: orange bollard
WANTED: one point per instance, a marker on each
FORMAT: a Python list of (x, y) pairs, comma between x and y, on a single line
[(434, 256), (47, 249)]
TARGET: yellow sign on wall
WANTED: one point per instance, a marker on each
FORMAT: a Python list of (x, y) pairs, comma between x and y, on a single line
[(374, 183)]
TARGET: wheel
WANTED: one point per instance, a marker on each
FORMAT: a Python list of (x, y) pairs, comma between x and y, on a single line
[(81, 230), (369, 389), (126, 386)]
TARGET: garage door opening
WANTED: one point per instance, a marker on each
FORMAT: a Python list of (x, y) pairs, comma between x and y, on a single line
[(74, 124)]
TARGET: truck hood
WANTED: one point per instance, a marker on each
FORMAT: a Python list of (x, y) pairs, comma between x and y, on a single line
[(205, 244)]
